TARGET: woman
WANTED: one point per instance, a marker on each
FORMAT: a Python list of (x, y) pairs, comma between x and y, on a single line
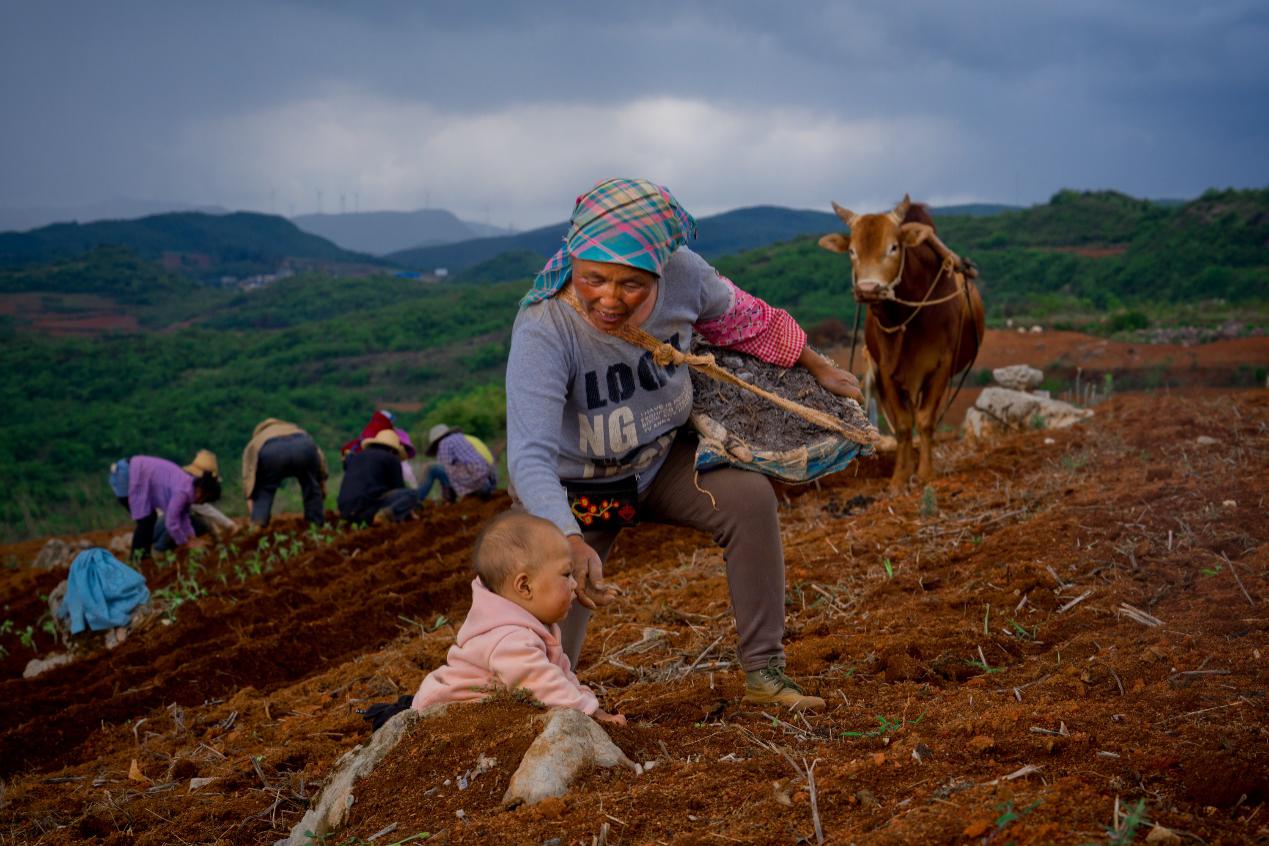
[(596, 427), (373, 488), (145, 485), (278, 451)]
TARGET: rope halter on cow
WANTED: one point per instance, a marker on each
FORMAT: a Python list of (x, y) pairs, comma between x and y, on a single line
[(948, 265)]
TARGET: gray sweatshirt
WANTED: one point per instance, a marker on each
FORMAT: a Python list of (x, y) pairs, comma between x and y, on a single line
[(582, 404)]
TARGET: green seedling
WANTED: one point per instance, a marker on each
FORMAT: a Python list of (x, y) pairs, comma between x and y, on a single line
[(1009, 815), (441, 620), (1072, 462), (929, 502), (986, 668), (885, 726), (885, 562), (27, 638), (1020, 630), (1210, 571), (1123, 831)]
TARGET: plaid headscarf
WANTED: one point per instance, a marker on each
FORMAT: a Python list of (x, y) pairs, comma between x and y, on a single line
[(622, 221)]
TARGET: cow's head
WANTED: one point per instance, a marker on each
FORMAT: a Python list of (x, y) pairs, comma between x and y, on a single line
[(876, 246)]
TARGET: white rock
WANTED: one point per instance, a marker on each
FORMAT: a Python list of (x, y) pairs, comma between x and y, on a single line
[(36, 666), (1018, 377), (570, 744), (330, 806), (1036, 329), (199, 783), (1205, 440), (58, 553), (1000, 410), (1160, 836)]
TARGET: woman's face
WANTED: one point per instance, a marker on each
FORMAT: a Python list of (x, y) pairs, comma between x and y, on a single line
[(611, 294)]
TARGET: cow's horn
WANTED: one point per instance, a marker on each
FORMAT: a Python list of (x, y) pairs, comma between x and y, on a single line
[(901, 210), (848, 217)]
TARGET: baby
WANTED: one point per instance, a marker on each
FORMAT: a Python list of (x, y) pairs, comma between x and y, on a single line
[(523, 587)]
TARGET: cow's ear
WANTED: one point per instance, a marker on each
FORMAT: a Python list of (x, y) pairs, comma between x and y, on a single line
[(836, 242), (914, 233)]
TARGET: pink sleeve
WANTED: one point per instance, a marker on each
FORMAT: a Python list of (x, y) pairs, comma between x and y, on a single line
[(520, 660), (751, 326)]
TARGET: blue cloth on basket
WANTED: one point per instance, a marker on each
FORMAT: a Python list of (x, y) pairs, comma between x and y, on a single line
[(101, 592)]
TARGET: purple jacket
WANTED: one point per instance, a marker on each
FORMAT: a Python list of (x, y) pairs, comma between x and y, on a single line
[(158, 483)]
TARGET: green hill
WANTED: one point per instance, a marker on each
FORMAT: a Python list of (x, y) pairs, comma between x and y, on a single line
[(326, 351), (205, 246), (110, 271)]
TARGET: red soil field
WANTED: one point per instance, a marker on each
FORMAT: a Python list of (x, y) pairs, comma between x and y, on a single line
[(991, 677)]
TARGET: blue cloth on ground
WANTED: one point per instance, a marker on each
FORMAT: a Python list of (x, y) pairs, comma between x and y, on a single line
[(101, 592)]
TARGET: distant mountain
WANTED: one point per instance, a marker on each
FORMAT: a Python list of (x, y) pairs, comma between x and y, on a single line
[(22, 218), (200, 245), (380, 233), (720, 235)]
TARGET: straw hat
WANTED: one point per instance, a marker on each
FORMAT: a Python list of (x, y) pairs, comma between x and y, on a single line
[(204, 462), (386, 437), (435, 434)]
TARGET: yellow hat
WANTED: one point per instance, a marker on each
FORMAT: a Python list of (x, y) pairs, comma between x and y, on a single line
[(386, 437), (204, 462)]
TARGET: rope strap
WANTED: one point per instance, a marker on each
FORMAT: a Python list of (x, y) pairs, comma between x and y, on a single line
[(917, 306), (665, 354)]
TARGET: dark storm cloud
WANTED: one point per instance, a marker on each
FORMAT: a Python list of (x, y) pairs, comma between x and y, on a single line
[(482, 105)]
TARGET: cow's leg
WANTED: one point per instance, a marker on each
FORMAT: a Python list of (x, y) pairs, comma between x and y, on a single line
[(927, 414), (899, 413)]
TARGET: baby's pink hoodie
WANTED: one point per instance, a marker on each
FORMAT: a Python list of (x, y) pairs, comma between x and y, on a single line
[(501, 643)]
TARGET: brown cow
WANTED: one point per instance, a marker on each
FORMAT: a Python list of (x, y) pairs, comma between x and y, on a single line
[(924, 324)]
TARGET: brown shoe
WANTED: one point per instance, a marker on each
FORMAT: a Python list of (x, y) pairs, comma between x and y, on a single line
[(770, 686)]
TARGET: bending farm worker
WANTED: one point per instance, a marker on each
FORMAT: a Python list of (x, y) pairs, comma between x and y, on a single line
[(464, 465), (145, 485), (279, 451), (596, 428), (373, 489)]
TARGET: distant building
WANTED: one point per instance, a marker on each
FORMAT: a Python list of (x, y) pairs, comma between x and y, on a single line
[(441, 272)]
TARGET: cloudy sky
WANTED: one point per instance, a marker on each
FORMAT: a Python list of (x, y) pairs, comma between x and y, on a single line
[(506, 111)]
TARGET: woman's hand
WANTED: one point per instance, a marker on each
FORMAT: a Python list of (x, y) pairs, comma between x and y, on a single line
[(588, 570), (830, 376)]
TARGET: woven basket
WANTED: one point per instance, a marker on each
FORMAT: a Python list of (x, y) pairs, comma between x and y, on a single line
[(823, 452)]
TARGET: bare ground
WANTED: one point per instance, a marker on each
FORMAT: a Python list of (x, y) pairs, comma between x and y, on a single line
[(1070, 619)]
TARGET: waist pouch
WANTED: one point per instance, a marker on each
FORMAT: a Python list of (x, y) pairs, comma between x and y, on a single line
[(604, 505)]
